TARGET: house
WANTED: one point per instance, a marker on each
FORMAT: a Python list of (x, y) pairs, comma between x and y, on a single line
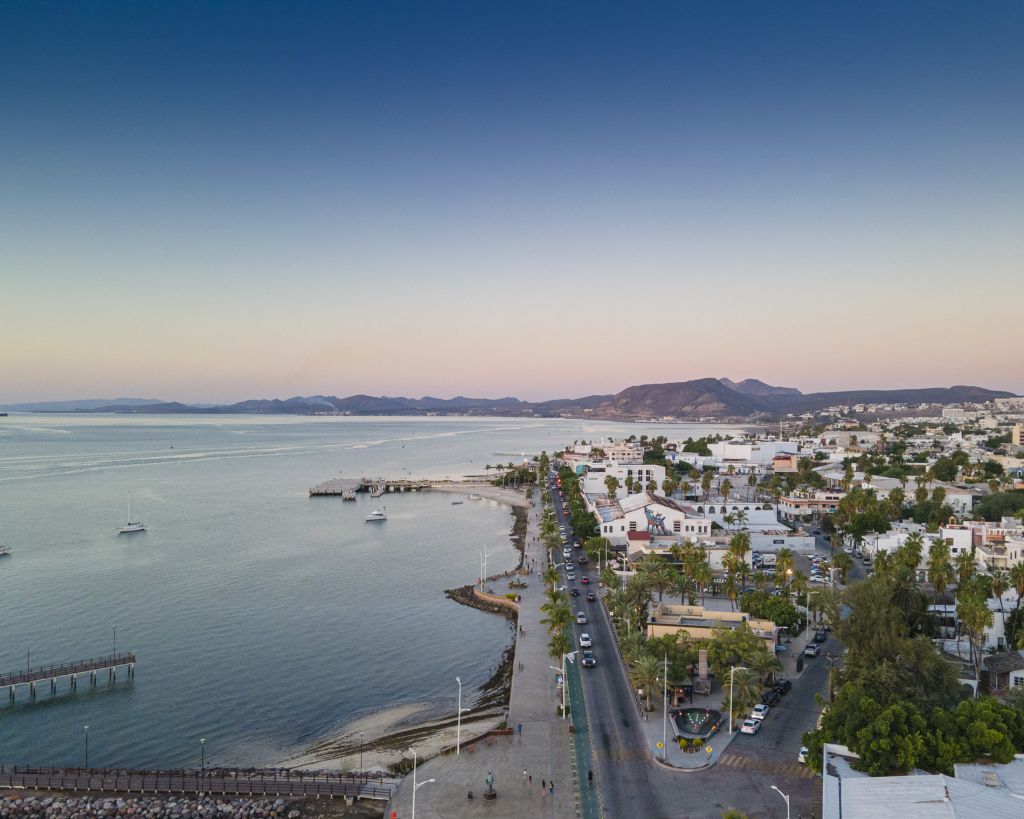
[(699, 623), (646, 512), (785, 463), (1006, 671), (810, 502)]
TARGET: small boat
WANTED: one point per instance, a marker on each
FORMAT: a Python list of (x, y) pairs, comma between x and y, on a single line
[(4, 551), (131, 527), (475, 497), (380, 514), (456, 503)]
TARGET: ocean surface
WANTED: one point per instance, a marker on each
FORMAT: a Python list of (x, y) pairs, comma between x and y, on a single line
[(262, 619)]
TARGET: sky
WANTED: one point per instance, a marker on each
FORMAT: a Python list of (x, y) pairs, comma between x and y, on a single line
[(210, 202)]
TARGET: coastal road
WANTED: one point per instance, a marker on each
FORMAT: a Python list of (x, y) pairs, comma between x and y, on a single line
[(631, 783)]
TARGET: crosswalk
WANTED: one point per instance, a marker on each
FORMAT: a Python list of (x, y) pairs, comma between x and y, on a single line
[(794, 769), (624, 755)]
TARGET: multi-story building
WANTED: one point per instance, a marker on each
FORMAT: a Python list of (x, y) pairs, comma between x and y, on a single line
[(596, 473)]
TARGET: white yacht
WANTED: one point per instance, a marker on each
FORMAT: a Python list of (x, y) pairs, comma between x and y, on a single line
[(380, 514), (474, 497), (131, 527)]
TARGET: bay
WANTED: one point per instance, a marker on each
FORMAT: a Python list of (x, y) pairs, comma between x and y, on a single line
[(261, 618)]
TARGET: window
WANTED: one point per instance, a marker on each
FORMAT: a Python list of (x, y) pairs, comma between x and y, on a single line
[(677, 526), (632, 526), (1018, 682)]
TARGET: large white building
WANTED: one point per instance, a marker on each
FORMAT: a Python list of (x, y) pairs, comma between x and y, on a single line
[(594, 478), (646, 512)]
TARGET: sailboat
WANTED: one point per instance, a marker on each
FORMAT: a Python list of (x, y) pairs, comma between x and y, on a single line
[(131, 527), (380, 514)]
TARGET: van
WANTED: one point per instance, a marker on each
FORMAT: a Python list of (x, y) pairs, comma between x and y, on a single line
[(768, 560)]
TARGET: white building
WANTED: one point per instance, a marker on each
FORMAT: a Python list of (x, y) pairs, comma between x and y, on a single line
[(594, 478), (646, 512)]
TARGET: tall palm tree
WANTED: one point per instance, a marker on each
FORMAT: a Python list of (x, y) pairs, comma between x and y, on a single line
[(904, 589), (741, 518), (745, 687), (761, 580), (703, 577), (1016, 578), (911, 551), (725, 488), (683, 586), (551, 576), (638, 592), (1000, 582), (645, 674), (558, 617), (964, 564), (612, 484), (561, 643), (610, 578), (618, 603), (764, 662), (843, 562), (798, 582), (634, 646), (731, 589), (728, 520), (555, 597), (784, 560), (705, 484)]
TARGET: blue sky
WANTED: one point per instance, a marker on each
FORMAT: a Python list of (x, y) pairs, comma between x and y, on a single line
[(216, 201)]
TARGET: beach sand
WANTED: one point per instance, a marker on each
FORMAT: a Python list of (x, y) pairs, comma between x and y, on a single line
[(500, 494)]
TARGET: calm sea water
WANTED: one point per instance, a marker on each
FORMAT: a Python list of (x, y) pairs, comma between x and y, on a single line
[(262, 618)]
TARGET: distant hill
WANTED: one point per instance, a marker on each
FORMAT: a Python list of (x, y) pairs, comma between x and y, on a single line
[(752, 386), (83, 404), (930, 395), (684, 399)]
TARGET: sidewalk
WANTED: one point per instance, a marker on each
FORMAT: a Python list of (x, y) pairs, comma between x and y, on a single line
[(543, 749)]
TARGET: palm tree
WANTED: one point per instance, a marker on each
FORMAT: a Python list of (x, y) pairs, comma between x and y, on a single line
[(725, 488), (751, 482), (551, 576), (609, 578), (684, 586), (904, 589), (645, 674), (555, 597), (734, 813), (558, 617), (745, 687), (784, 561), (912, 550), (844, 563), (561, 643), (1000, 582), (705, 484), (638, 592), (686, 487), (1016, 578), (662, 578), (618, 603), (798, 582), (741, 518), (731, 589), (612, 483), (761, 580), (765, 662), (728, 520), (703, 576), (667, 486), (964, 564), (634, 646)]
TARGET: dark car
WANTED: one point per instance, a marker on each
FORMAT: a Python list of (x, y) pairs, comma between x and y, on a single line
[(783, 686), (574, 592), (589, 660), (817, 531), (591, 597), (771, 697), (583, 560), (820, 636), (585, 580)]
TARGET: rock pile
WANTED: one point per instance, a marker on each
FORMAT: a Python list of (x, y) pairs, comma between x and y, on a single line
[(171, 807)]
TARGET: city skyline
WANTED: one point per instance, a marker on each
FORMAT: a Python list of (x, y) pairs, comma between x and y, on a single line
[(220, 203)]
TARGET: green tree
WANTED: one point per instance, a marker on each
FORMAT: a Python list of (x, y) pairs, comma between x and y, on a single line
[(644, 674), (561, 643), (744, 686), (892, 741)]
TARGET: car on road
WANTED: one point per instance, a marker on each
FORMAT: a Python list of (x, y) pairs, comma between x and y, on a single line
[(569, 567), (817, 531), (820, 636), (812, 650), (589, 660), (759, 712), (585, 580), (583, 560), (802, 756), (581, 618), (585, 641), (574, 592), (782, 686), (771, 697), (750, 726), (591, 597), (570, 576)]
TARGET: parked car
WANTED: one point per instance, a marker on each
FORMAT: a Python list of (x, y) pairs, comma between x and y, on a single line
[(581, 619), (802, 756), (574, 592), (589, 660), (817, 531), (585, 579), (585, 641), (812, 650), (591, 597), (759, 712), (820, 636), (750, 726), (771, 697), (782, 686)]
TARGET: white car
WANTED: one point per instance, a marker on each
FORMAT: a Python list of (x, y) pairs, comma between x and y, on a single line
[(570, 576), (802, 756), (760, 711), (581, 618), (585, 641), (750, 726)]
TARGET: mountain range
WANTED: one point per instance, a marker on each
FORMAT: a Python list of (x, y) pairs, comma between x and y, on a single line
[(700, 398)]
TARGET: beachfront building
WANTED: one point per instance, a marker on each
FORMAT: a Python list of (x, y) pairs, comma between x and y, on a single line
[(699, 623), (638, 474), (641, 544)]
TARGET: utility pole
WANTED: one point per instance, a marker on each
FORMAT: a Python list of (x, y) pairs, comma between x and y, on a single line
[(664, 719)]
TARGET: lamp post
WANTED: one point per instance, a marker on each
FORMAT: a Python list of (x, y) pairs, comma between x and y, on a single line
[(115, 641), (87, 747), (664, 719), (360, 753), (562, 672), (458, 719), (784, 796), (731, 669), (415, 787), (202, 764)]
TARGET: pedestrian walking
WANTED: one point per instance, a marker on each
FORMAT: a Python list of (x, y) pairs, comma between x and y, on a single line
[(529, 779), (521, 733), (524, 774), (543, 786), (551, 788), (590, 778)]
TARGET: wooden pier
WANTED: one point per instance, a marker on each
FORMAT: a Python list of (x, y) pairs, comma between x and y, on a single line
[(216, 781), (92, 667), (348, 488)]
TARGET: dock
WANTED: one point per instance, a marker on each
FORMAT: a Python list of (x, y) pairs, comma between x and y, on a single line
[(212, 781), (92, 667), (348, 488)]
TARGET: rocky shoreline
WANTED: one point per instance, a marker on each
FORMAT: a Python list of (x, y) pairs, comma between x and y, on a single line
[(170, 807)]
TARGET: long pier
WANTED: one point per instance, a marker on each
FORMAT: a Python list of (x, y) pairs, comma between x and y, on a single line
[(230, 782), (92, 667), (375, 487)]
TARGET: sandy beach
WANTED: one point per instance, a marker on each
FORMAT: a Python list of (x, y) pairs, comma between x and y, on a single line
[(500, 494)]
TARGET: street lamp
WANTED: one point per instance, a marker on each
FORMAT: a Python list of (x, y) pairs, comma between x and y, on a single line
[(784, 796), (731, 669), (87, 747), (360, 753), (562, 672), (202, 768), (415, 787), (458, 719)]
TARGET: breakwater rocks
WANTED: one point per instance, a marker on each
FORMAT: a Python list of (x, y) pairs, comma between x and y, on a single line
[(465, 596), (145, 807)]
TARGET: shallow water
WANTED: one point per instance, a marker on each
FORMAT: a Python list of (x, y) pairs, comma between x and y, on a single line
[(261, 618)]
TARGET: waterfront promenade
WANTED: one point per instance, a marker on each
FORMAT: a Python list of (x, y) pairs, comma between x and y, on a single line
[(544, 748)]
